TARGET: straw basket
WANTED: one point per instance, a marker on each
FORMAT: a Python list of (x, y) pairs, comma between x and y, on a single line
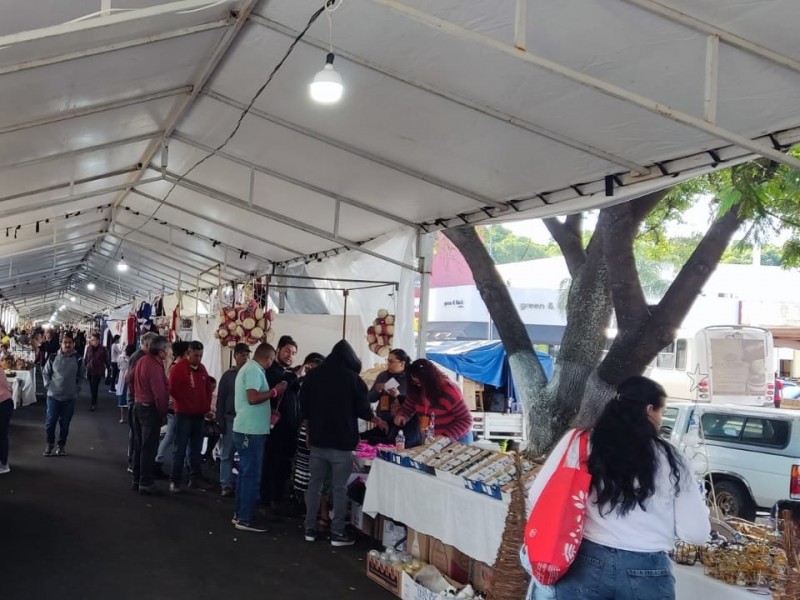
[(510, 581)]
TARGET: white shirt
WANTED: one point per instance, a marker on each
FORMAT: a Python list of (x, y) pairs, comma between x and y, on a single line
[(668, 516), (116, 351)]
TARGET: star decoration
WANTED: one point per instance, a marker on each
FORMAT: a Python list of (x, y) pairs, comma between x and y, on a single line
[(696, 378)]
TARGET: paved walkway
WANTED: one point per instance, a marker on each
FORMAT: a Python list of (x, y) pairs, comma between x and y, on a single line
[(70, 529)]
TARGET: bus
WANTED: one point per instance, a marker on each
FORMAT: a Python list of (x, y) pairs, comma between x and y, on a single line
[(720, 364)]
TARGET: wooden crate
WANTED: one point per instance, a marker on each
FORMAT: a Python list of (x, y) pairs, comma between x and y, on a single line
[(473, 394)]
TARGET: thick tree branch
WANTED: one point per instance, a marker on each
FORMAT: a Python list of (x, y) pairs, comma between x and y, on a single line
[(569, 237), (689, 282), (619, 226)]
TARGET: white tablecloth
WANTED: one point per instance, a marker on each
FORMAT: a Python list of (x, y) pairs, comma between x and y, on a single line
[(23, 388), (464, 519), (692, 583)]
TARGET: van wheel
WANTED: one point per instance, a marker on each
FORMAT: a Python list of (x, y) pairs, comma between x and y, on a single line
[(734, 501)]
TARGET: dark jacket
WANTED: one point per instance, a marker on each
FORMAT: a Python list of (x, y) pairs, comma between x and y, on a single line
[(226, 398), (384, 411), (96, 360), (333, 397), (287, 404)]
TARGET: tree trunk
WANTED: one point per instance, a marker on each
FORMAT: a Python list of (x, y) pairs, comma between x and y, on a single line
[(529, 376)]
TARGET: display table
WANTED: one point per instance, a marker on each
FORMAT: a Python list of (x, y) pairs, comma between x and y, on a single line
[(23, 390), (692, 582), (461, 518)]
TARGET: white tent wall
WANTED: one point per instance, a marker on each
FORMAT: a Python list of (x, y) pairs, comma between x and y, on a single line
[(401, 246), (319, 333)]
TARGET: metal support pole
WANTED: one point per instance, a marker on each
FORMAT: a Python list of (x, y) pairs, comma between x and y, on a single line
[(346, 294), (425, 258), (521, 24)]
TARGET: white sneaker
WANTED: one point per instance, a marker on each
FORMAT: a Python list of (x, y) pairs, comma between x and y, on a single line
[(4, 469)]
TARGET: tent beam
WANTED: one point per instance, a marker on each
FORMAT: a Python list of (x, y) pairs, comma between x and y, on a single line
[(67, 184), (464, 101), (86, 150), (711, 79), (73, 242), (599, 85), (350, 149), (93, 109), (726, 37), (229, 227), (280, 218), (185, 139)]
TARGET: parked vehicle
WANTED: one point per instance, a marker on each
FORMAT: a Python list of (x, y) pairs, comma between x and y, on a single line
[(721, 364), (749, 455)]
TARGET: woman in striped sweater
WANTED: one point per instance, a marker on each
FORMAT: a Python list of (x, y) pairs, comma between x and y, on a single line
[(431, 393)]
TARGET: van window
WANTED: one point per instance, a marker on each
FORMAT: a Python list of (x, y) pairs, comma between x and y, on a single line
[(666, 358), (754, 431), (668, 421), (680, 354)]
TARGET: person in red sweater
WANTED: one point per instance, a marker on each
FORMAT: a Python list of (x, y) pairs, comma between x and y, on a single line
[(190, 387), (430, 392)]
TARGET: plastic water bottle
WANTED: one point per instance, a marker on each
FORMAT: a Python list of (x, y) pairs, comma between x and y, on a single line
[(400, 441)]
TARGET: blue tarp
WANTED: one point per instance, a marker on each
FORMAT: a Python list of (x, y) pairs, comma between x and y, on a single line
[(483, 361)]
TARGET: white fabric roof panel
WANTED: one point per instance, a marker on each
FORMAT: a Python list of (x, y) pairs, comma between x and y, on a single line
[(442, 122)]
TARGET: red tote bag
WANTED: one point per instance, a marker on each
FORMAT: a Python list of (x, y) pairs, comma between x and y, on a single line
[(555, 528)]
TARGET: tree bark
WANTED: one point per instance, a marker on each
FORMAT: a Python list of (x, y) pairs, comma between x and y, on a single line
[(529, 376)]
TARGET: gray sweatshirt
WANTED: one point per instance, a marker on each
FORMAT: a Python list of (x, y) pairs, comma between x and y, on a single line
[(62, 377)]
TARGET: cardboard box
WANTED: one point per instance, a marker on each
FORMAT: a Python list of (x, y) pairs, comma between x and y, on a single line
[(473, 393), (363, 523), (385, 576), (411, 590), (418, 545), (481, 576), (450, 561), (394, 534)]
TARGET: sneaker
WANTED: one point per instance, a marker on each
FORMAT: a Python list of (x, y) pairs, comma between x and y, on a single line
[(48, 450), (130, 470), (4, 469), (61, 451), (227, 492), (174, 488), (235, 520), (338, 540), (251, 526), (311, 535)]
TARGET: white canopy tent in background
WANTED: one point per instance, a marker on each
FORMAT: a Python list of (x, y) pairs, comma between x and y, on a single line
[(116, 123)]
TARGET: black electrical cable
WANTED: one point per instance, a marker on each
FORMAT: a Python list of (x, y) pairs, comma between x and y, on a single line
[(328, 5)]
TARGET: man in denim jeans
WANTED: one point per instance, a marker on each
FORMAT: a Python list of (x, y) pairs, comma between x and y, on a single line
[(332, 399), (62, 379), (226, 412), (250, 429)]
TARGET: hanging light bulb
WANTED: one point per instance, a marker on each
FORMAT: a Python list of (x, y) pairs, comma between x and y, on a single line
[(72, 298), (90, 287), (122, 266), (327, 86)]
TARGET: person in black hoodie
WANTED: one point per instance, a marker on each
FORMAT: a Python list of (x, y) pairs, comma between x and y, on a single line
[(333, 398), (282, 440)]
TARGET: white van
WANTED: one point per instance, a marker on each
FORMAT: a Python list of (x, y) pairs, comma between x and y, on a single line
[(751, 455), (721, 364)]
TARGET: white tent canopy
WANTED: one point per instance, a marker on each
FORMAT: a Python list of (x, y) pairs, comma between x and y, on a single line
[(455, 111)]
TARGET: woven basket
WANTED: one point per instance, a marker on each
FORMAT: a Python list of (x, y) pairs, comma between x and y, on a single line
[(510, 581)]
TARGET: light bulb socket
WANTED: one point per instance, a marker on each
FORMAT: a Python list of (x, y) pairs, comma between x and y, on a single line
[(329, 59)]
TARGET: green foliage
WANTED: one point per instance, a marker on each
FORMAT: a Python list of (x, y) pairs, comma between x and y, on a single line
[(506, 247)]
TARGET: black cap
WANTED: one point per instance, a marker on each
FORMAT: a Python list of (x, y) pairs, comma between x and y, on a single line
[(240, 347)]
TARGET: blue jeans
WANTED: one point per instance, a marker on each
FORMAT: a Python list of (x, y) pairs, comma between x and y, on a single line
[(168, 441), (58, 411), (251, 457), (600, 572), (189, 431), (226, 452)]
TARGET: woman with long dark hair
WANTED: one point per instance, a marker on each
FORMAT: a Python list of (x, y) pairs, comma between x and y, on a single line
[(387, 400), (432, 395), (643, 496)]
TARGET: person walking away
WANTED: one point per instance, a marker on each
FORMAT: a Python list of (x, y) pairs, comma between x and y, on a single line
[(62, 380), (180, 350), (302, 472), (148, 382), (96, 361), (117, 350), (80, 345), (333, 398), (123, 362), (250, 430), (144, 350), (226, 413), (431, 393), (6, 410), (190, 390), (643, 495), (282, 440)]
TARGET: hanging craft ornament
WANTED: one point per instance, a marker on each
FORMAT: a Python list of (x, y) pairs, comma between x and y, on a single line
[(380, 335), (247, 322)]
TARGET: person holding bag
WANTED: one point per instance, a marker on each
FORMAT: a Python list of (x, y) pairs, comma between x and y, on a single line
[(623, 495)]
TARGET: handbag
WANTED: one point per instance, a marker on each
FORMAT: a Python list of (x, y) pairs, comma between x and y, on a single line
[(554, 530), (275, 415)]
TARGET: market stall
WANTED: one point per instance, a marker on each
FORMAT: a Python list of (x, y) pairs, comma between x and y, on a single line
[(23, 390)]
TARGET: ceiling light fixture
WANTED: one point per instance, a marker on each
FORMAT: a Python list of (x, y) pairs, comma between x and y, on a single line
[(122, 266), (72, 298), (90, 287), (327, 87)]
